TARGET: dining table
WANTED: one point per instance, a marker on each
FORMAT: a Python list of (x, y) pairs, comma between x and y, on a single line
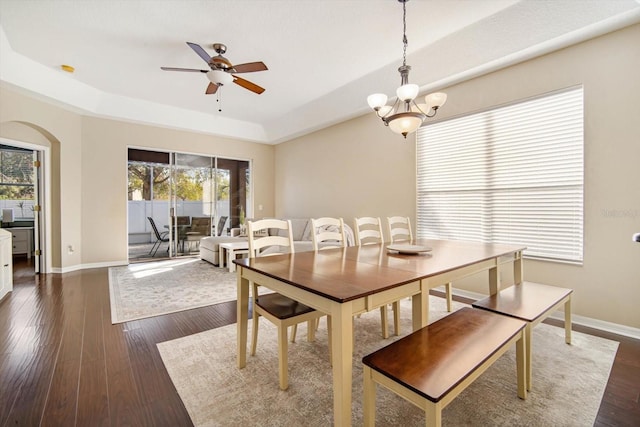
[(345, 281)]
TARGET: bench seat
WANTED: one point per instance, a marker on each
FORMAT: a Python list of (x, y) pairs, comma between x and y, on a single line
[(431, 366), (531, 302)]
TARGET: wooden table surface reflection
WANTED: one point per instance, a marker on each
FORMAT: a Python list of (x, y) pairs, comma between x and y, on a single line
[(341, 282)]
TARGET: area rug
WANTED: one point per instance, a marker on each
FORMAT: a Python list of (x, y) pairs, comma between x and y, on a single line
[(568, 380), (151, 289)]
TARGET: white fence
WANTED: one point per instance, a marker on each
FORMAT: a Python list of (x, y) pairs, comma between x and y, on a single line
[(22, 209), (140, 230)]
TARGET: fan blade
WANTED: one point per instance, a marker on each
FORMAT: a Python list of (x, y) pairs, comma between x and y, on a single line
[(211, 89), (200, 51), (191, 70), (248, 85), (250, 67)]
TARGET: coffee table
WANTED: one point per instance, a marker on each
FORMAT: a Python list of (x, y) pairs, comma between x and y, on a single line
[(229, 250)]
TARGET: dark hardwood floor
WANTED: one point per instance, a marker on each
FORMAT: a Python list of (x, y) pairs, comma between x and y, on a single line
[(62, 362)]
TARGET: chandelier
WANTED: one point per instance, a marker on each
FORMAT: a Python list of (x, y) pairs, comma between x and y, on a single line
[(405, 116)]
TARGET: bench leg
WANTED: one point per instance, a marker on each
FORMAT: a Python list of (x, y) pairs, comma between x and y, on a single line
[(523, 369), (567, 321), (282, 357), (369, 403)]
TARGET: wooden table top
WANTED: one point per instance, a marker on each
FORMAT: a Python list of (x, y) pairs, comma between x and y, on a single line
[(358, 271)]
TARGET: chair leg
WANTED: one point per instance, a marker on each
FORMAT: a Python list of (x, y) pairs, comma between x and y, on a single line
[(254, 332), (396, 318), (282, 357), (294, 332), (448, 293), (329, 339), (384, 322), (153, 247)]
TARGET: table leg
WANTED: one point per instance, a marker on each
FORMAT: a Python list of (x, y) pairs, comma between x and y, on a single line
[(243, 318), (420, 307), (518, 268), (494, 278), (342, 355)]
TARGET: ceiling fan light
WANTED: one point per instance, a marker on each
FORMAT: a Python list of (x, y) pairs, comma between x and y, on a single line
[(405, 123), (435, 100), (219, 77), (377, 100), (407, 92)]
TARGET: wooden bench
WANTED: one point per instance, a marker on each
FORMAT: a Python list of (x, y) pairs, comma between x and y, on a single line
[(531, 302), (433, 365)]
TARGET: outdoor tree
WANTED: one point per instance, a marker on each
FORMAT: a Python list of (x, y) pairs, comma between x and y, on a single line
[(142, 176)]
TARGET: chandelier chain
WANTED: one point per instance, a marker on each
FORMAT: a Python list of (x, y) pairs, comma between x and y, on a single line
[(404, 32)]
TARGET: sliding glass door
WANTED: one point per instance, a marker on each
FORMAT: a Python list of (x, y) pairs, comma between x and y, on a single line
[(190, 197)]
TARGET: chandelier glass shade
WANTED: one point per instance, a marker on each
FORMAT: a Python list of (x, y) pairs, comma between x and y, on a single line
[(405, 116)]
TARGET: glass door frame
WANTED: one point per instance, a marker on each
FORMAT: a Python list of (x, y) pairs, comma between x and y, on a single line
[(240, 200)]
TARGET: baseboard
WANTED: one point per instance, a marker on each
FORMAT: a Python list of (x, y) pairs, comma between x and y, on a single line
[(88, 266), (589, 322)]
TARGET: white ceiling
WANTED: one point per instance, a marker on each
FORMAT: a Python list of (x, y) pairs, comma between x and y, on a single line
[(324, 56)]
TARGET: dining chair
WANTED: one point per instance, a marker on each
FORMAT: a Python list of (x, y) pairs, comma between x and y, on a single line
[(280, 310), (160, 237), (368, 231), (399, 229), (327, 233)]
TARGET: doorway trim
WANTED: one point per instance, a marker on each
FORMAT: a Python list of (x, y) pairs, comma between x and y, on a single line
[(45, 200)]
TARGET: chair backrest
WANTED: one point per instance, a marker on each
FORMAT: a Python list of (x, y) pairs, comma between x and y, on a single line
[(274, 240), (155, 229), (368, 231), (221, 222), (329, 231), (201, 224), (182, 220), (399, 229)]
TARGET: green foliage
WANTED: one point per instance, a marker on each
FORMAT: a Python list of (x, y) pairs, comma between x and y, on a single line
[(189, 184), (16, 175)]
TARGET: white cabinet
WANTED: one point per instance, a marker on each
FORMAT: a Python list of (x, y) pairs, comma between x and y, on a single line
[(22, 240), (6, 263)]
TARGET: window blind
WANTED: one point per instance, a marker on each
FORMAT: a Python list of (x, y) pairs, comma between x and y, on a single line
[(513, 174)]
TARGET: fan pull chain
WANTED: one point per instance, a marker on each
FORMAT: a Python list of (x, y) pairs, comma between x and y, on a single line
[(218, 101)]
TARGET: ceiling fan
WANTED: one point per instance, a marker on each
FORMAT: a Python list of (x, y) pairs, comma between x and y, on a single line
[(221, 71)]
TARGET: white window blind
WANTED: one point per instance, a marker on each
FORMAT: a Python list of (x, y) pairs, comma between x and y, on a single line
[(513, 174)]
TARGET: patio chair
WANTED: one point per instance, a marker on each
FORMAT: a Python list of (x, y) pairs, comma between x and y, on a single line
[(160, 237), (200, 227), (221, 222)]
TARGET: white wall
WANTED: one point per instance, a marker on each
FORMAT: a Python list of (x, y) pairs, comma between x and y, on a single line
[(361, 168)]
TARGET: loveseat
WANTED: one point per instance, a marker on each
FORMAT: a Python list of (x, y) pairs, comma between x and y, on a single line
[(300, 229)]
